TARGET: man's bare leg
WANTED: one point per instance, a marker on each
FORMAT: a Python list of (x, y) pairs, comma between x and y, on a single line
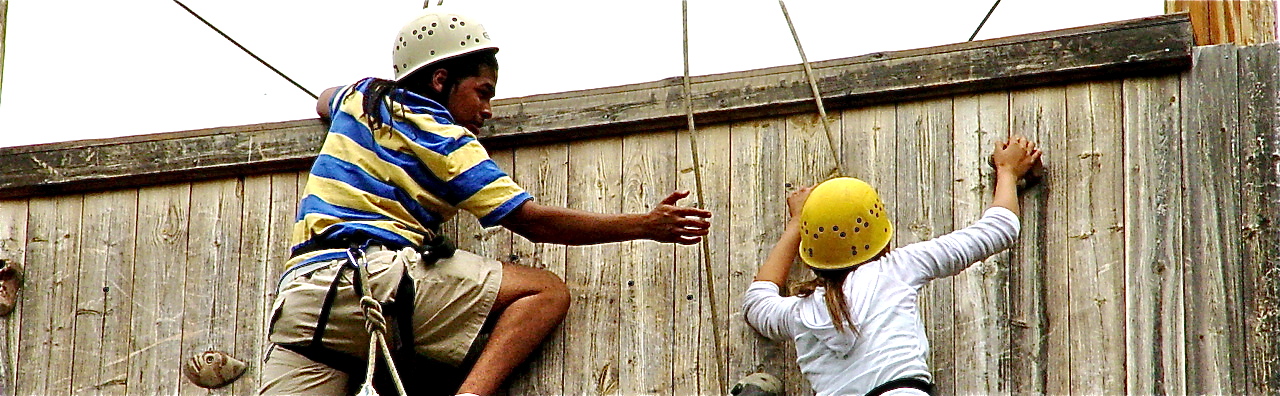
[(531, 303)]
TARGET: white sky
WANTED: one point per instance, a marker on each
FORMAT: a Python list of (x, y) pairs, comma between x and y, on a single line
[(85, 69)]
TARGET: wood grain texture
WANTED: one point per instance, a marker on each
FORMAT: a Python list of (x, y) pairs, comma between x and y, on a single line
[(1259, 136), (756, 216), (163, 212), (924, 184), (101, 323), (212, 258), (254, 289), (1155, 350), (1094, 184), (591, 359), (646, 325), (1211, 222)]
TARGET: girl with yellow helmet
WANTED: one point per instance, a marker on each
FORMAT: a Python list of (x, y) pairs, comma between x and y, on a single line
[(857, 327)]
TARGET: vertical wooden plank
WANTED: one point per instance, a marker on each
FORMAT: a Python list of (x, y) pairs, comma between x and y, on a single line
[(63, 292), (158, 279), (1211, 230), (692, 289), (91, 266), (981, 292), (36, 313), (691, 275), (592, 272), (1050, 108), (754, 223), (283, 214), (13, 242), (1037, 114), (543, 172), (924, 183), (1093, 181), (120, 223), (107, 246), (1156, 354), (1259, 135), (212, 264), (253, 288), (646, 326), (492, 242)]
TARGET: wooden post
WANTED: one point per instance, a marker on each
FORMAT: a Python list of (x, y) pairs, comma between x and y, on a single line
[(1243, 22)]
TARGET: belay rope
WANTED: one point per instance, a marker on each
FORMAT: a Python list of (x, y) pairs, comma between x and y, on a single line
[(697, 182), (721, 372), (375, 323)]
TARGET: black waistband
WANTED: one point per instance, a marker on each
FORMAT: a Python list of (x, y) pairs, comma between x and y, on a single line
[(900, 383)]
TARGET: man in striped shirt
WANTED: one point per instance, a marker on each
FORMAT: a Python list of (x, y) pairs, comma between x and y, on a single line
[(400, 158)]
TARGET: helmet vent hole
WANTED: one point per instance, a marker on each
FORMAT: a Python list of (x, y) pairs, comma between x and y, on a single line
[(468, 37), (842, 235), (462, 43), (821, 230), (419, 37), (867, 247), (433, 52), (815, 236), (853, 250), (433, 24), (414, 32), (810, 252), (835, 228), (431, 32), (452, 26), (461, 23), (859, 220), (855, 229)]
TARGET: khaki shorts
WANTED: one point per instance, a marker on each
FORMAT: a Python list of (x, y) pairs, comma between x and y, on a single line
[(452, 300)]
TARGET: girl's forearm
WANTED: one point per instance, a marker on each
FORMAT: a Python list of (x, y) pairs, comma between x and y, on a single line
[(778, 264), (1006, 191)]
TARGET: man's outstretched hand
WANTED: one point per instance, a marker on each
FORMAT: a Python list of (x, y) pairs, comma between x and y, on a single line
[(677, 224)]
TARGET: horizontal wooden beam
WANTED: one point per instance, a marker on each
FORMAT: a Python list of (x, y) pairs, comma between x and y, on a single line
[(1111, 50)]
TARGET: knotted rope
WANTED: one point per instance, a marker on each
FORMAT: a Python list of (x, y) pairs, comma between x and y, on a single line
[(376, 323)]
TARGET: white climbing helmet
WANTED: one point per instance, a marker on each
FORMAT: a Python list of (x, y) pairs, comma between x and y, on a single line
[(435, 36)]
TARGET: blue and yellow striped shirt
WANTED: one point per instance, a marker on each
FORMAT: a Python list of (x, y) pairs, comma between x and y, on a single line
[(391, 183)]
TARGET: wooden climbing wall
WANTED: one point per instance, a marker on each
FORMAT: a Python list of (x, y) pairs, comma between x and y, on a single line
[(1147, 261)]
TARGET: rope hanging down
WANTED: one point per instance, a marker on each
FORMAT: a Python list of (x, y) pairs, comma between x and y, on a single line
[(817, 95), (697, 182)]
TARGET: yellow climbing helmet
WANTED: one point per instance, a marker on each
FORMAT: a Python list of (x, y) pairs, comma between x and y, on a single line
[(843, 224)]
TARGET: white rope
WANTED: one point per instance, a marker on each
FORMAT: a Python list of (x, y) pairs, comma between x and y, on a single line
[(376, 323), (708, 276)]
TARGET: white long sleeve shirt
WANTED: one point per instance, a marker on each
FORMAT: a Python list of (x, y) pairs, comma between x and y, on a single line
[(882, 296)]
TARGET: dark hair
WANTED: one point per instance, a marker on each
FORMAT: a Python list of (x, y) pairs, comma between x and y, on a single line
[(419, 82)]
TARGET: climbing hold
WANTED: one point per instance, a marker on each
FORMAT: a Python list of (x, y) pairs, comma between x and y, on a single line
[(213, 369)]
